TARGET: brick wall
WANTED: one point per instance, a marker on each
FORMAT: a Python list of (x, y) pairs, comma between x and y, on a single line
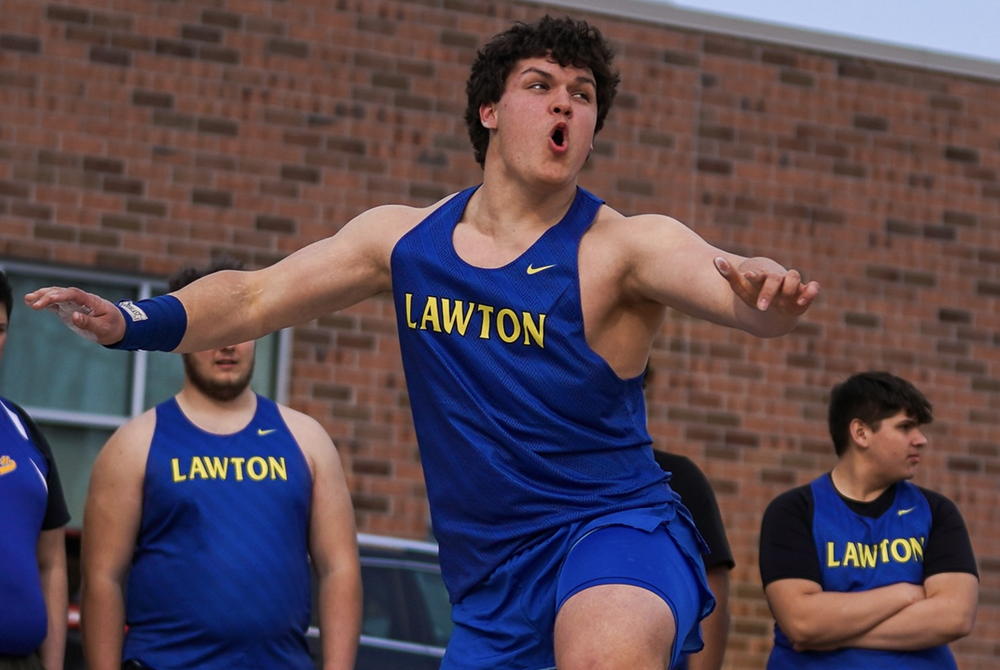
[(142, 134)]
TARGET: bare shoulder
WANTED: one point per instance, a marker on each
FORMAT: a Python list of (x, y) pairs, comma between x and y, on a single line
[(388, 223), (126, 451), (616, 238), (611, 224), (311, 437)]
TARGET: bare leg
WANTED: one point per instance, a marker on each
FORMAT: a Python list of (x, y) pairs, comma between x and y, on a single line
[(614, 627)]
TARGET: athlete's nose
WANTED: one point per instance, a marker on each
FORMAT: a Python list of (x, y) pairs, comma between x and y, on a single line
[(561, 102)]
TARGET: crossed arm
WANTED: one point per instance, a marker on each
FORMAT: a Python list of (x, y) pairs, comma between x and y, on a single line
[(900, 616)]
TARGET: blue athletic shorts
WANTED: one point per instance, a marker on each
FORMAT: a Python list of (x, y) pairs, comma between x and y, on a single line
[(508, 621)]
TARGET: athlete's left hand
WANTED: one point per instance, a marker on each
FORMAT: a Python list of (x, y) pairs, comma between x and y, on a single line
[(763, 284)]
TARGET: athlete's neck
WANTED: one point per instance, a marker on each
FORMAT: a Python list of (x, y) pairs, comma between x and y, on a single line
[(499, 225), (853, 482), (222, 417)]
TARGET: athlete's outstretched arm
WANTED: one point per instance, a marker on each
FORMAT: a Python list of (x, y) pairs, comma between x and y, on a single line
[(671, 265), (231, 306), (111, 520)]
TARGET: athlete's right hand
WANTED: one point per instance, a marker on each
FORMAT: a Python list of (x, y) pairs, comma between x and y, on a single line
[(86, 314)]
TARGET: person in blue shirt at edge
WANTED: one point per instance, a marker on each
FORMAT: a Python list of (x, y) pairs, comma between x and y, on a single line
[(202, 519), (526, 309), (863, 569), (33, 580)]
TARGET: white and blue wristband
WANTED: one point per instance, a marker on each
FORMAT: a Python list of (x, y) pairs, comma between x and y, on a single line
[(154, 324)]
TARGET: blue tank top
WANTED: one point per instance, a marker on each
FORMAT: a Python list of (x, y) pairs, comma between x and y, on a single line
[(220, 574), (859, 553), (23, 497), (522, 427)]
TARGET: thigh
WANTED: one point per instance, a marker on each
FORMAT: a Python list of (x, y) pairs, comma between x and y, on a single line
[(614, 626), (625, 594)]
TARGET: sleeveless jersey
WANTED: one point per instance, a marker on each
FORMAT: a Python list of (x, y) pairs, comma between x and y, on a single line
[(522, 427), (23, 497), (859, 553), (220, 573)]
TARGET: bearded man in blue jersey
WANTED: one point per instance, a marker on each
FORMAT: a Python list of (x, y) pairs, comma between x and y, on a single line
[(861, 568), (202, 519), (526, 309)]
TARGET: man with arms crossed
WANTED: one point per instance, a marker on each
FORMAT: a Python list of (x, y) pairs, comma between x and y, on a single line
[(33, 582), (201, 518), (861, 568), (526, 309)]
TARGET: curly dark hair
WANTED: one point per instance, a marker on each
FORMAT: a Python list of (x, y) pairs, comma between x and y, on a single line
[(872, 397), (190, 273), (567, 41)]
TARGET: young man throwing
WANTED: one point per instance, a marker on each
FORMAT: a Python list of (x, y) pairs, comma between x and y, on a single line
[(526, 309)]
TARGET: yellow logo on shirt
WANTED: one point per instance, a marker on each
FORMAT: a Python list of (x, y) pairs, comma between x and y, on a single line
[(863, 555), (7, 464), (447, 315), (256, 468)]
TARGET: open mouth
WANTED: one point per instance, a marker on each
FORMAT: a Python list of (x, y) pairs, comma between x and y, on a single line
[(559, 136)]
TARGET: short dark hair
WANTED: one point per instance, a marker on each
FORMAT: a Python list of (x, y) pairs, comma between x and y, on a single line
[(5, 294), (191, 273), (872, 397), (567, 41)]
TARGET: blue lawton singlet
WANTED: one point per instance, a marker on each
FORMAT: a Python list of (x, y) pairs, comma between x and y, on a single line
[(522, 427), (23, 497), (859, 553), (220, 575)]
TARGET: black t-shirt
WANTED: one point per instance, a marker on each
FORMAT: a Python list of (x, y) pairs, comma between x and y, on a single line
[(696, 493), (788, 551)]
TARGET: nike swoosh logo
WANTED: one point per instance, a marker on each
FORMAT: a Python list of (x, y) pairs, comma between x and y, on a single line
[(905, 511), (7, 464), (262, 432), (533, 270)]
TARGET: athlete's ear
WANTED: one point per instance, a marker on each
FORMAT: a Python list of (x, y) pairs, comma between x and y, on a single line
[(488, 115), (860, 432)]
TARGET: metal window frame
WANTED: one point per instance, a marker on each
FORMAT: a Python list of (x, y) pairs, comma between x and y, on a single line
[(145, 286)]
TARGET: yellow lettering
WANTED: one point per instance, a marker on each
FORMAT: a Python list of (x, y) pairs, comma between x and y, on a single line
[(175, 466), (505, 315), (533, 331), (409, 319), (431, 315), (917, 546), (850, 554), (277, 468), (831, 562), (257, 468), (900, 551), (868, 555), (884, 548), (455, 318), (487, 312), (237, 462), (197, 468), (216, 467)]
